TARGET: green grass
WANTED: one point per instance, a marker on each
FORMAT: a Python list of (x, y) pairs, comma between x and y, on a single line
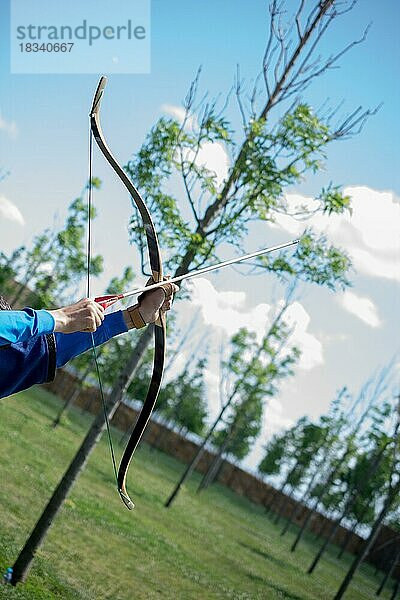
[(213, 545)]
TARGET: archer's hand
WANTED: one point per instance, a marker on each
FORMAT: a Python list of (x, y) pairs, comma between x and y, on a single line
[(85, 315), (160, 299)]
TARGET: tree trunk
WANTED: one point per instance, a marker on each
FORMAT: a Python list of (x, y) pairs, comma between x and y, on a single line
[(329, 480), (350, 533), (195, 460), (213, 469), (396, 588), (71, 398), (192, 465), (388, 574), (211, 474), (69, 402), (300, 503), (305, 496), (284, 497)]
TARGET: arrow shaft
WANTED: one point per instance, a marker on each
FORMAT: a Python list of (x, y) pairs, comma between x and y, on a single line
[(191, 274)]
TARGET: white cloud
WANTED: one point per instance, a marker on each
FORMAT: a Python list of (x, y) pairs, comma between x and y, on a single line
[(274, 418), (212, 155), (10, 211), (9, 127), (224, 311), (376, 265), (370, 234), (362, 307), (329, 338), (311, 349), (179, 113)]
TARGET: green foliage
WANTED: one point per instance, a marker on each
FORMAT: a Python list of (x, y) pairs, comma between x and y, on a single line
[(277, 158), (364, 478), (260, 365), (333, 200), (293, 451), (50, 270), (315, 261), (254, 369), (118, 285), (10, 268), (321, 263), (276, 452), (243, 427), (149, 169), (182, 400), (271, 159)]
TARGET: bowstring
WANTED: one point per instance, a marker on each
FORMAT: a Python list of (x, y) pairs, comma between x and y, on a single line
[(89, 254)]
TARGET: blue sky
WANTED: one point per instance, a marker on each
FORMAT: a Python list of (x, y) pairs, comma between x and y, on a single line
[(43, 144)]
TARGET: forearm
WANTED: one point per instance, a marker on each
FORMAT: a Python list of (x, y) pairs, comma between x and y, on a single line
[(73, 344)]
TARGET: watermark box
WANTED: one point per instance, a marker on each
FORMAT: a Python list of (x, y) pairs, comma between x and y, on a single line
[(95, 36)]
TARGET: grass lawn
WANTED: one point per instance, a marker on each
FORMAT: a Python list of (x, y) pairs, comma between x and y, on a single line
[(213, 545)]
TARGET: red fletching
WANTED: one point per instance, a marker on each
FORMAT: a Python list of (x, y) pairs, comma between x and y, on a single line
[(106, 301)]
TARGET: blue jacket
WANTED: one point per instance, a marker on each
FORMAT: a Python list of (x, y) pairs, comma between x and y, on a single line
[(30, 351)]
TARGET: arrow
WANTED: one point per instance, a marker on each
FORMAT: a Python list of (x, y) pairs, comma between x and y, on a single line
[(106, 301)]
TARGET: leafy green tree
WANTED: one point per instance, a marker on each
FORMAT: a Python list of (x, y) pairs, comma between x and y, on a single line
[(243, 427), (256, 370), (306, 441), (363, 481), (368, 478), (326, 493), (275, 453), (334, 425), (182, 400), (68, 258), (47, 273), (389, 502), (10, 267)]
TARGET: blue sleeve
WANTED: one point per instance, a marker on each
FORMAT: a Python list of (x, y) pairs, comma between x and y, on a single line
[(23, 364), (18, 326), (70, 345)]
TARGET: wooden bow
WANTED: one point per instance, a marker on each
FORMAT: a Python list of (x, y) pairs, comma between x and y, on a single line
[(157, 275)]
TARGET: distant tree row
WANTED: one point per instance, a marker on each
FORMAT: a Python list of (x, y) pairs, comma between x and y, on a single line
[(345, 466)]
